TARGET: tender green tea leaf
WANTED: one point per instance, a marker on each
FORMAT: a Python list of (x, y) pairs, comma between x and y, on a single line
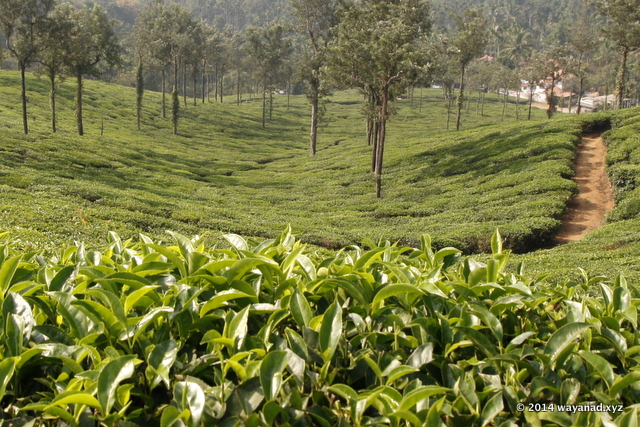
[(562, 338), (110, 377), (271, 373), (330, 331), (190, 397)]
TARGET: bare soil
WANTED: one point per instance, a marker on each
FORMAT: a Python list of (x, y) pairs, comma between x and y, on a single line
[(588, 209)]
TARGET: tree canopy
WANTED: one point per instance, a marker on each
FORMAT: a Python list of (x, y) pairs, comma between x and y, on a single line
[(379, 47)]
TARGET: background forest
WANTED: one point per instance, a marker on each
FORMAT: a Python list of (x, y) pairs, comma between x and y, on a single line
[(517, 32)]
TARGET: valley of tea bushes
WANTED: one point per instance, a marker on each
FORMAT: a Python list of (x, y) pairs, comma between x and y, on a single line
[(224, 172), (137, 326)]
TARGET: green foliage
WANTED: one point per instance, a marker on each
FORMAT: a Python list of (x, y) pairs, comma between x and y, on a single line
[(21, 23), (269, 48), (130, 335), (378, 48), (90, 40), (623, 28)]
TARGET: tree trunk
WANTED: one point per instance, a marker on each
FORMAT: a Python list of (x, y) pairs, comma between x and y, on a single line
[(175, 110), (238, 88), (504, 103), (420, 102), (460, 98), (23, 88), (380, 141), (314, 122), (184, 84), (620, 80), (175, 99), (518, 105), (139, 92), (215, 92), (52, 100), (551, 98), (375, 127), (164, 100), (449, 100), (270, 104), (79, 103), (264, 105), (194, 77), (580, 88), (221, 84), (482, 104), (530, 103), (204, 73)]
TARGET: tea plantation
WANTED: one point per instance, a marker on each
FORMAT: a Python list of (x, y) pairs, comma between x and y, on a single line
[(303, 300), (223, 172)]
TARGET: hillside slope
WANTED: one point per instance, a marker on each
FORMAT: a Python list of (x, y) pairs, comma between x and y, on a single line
[(224, 173)]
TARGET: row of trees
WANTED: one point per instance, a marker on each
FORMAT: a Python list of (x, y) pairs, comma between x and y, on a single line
[(380, 47), (62, 39)]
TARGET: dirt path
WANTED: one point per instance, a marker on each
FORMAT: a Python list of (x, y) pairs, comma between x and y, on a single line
[(595, 197)]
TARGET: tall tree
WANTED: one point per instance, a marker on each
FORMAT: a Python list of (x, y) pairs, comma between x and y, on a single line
[(222, 57), (91, 41), (552, 62), (178, 40), (318, 20), (21, 20), (52, 56), (152, 36), (238, 61), (623, 27), (210, 42), (194, 52), (269, 47), (533, 72), (480, 73), (379, 44), (468, 43), (504, 80), (582, 42)]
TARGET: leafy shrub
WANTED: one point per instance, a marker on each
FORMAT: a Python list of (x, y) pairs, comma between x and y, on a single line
[(624, 176), (627, 208), (267, 333)]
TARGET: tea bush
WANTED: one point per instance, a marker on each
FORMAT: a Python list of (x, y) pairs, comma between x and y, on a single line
[(268, 333)]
